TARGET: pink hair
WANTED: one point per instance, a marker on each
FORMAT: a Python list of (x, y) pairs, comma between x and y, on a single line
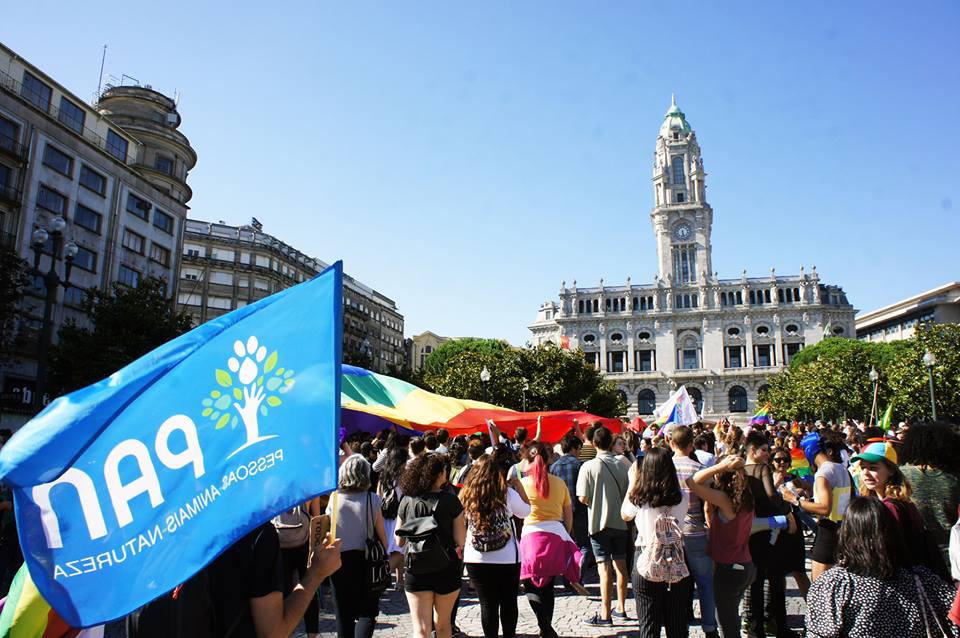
[(540, 472)]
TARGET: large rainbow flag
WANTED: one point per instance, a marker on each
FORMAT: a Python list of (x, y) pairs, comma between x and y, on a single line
[(763, 416), (799, 464), (371, 402)]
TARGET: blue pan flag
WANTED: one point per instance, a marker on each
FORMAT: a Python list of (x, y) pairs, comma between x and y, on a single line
[(128, 487)]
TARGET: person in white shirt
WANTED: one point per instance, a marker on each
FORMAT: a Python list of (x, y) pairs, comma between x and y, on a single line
[(654, 491), (491, 551)]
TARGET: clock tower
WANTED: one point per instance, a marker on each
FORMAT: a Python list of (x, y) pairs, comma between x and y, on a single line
[(681, 217)]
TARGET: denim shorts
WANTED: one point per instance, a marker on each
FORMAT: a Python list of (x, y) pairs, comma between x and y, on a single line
[(610, 544)]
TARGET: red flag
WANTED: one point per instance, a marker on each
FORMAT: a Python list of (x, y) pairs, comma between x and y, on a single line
[(564, 343)]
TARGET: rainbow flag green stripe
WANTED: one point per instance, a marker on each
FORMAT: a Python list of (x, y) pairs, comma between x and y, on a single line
[(27, 615)]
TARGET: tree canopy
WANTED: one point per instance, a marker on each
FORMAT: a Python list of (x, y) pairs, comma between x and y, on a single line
[(14, 278), (556, 379), (124, 324), (831, 379)]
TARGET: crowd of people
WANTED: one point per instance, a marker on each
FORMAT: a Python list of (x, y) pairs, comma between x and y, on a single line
[(714, 512)]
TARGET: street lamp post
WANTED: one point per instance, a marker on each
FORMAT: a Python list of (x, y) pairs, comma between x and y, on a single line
[(526, 386), (51, 282), (485, 378), (874, 378), (929, 360)]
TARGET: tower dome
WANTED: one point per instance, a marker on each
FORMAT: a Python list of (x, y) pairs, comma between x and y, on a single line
[(674, 120)]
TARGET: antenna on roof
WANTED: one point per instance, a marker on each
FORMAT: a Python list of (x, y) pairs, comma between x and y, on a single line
[(103, 61)]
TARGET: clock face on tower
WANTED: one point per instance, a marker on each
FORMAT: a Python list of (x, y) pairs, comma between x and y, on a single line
[(682, 232)]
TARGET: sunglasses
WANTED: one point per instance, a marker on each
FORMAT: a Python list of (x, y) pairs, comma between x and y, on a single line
[(782, 459)]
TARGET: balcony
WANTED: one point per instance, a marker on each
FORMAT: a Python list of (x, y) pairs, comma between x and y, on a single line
[(12, 148), (10, 195)]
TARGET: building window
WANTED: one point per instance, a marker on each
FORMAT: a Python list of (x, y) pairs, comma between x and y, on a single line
[(58, 160), (163, 164), (763, 331), (9, 132), (74, 295), (596, 305), (790, 349), (616, 337), (128, 276), (163, 221), (71, 115), (160, 254), (190, 274), (685, 263), (734, 356), (589, 338), (646, 402), (616, 361), (591, 359), (763, 356), (51, 200), (137, 206), (133, 241), (739, 297), (697, 397), (116, 145), (838, 330), (689, 359), (792, 329), (680, 198), (92, 180), (87, 218), (646, 361), (678, 177), (36, 92), (86, 259), (738, 399)]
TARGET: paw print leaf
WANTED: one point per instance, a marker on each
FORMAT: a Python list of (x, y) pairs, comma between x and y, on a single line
[(222, 422), (237, 394), (215, 415), (273, 401), (233, 423), (263, 410), (271, 362), (288, 374), (215, 394), (280, 371), (223, 378), (260, 380), (207, 412), (223, 402), (273, 383), (207, 402)]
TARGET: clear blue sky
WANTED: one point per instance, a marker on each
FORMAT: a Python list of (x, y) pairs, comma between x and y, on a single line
[(464, 158)]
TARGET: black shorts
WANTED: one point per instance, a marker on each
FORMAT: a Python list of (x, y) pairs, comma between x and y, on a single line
[(444, 581), (824, 549)]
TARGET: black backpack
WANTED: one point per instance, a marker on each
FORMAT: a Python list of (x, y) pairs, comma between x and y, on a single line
[(185, 612), (390, 504), (424, 549)]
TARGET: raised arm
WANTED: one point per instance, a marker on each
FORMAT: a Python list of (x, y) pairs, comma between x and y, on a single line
[(698, 484), (539, 424)]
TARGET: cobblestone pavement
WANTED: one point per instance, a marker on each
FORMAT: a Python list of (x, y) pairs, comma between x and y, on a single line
[(571, 610)]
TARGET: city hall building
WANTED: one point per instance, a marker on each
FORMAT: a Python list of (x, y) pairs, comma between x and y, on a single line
[(722, 338)]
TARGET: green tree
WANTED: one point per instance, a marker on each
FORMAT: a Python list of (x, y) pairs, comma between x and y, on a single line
[(831, 380), (556, 379), (908, 377), (124, 324), (14, 278), (437, 361)]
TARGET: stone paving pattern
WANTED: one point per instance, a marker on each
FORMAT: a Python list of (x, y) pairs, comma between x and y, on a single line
[(571, 610)]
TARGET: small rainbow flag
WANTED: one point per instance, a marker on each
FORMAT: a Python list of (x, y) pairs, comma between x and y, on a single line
[(763, 417), (799, 464), (27, 615)]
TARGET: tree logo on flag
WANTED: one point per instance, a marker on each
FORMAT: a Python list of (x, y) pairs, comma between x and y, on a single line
[(257, 384)]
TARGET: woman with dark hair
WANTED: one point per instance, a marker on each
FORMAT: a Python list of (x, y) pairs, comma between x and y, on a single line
[(931, 463), (432, 595), (358, 518), (547, 548), (654, 491), (768, 563), (728, 545), (790, 548), (873, 592), (388, 489), (832, 490), (491, 551)]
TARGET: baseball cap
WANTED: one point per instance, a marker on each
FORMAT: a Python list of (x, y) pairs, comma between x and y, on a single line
[(877, 452)]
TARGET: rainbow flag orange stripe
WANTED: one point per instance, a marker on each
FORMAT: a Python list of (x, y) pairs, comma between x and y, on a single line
[(799, 464), (27, 615)]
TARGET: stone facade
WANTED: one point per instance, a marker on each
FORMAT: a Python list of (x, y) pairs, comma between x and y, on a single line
[(900, 320), (420, 347), (722, 338), (226, 267), (116, 172)]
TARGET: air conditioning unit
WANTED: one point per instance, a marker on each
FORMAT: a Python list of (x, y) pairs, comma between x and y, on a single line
[(172, 118)]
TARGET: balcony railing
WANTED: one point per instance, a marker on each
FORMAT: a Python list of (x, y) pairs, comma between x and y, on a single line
[(13, 148), (15, 87), (10, 195)]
